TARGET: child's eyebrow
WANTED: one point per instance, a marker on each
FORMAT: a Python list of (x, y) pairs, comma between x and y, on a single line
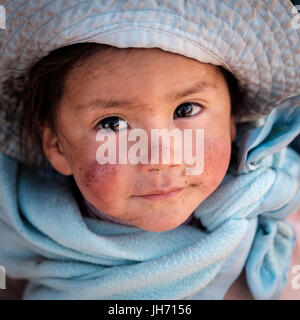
[(101, 103)]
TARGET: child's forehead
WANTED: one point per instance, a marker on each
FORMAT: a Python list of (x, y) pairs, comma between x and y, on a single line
[(142, 64), (138, 78)]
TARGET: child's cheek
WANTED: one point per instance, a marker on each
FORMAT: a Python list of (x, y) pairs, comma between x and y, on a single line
[(216, 161), (99, 182)]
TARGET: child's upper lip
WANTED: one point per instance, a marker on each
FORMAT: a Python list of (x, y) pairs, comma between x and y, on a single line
[(160, 191)]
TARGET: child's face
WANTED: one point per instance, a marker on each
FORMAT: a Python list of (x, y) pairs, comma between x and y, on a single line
[(151, 80)]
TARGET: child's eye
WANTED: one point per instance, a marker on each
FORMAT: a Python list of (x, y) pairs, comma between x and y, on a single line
[(112, 123), (187, 109)]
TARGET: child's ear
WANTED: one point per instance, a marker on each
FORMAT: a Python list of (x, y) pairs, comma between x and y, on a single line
[(232, 128), (54, 151)]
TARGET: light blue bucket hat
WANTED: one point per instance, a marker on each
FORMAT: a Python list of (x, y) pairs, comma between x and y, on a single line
[(258, 41)]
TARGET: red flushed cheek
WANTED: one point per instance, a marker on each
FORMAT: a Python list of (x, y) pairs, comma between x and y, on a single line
[(216, 161), (99, 182)]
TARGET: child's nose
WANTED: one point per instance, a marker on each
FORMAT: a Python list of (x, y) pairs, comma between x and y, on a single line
[(164, 149)]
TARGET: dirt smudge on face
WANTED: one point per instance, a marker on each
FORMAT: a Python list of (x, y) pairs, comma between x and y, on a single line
[(99, 180)]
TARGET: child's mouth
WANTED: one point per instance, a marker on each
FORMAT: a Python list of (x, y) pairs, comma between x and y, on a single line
[(160, 194)]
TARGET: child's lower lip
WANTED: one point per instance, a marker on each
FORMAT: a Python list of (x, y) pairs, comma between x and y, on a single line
[(157, 197)]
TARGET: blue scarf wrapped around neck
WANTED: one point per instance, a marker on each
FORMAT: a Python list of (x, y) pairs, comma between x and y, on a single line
[(44, 237)]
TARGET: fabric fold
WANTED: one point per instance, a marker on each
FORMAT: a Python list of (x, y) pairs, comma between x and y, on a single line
[(266, 268)]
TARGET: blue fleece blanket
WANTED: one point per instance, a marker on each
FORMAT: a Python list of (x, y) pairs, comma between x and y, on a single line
[(44, 237)]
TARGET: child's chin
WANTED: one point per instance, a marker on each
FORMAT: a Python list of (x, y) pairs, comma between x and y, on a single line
[(160, 227)]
